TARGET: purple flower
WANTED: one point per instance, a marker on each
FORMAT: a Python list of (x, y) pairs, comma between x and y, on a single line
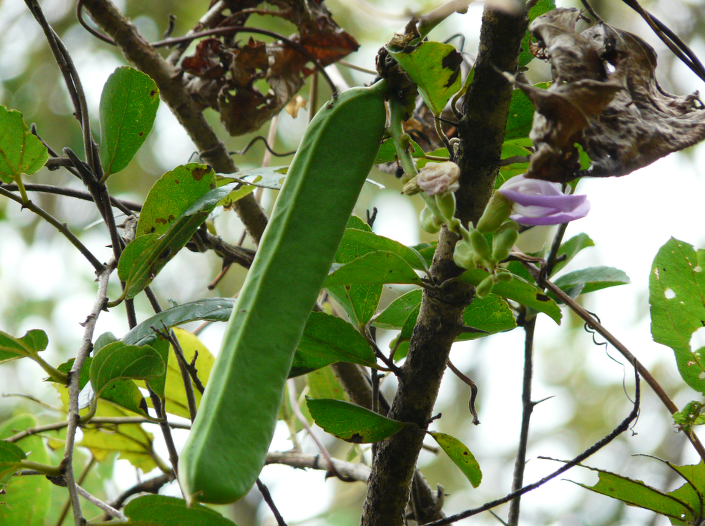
[(538, 202)]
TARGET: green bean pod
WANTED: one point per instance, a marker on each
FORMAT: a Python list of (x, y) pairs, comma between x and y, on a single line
[(230, 437)]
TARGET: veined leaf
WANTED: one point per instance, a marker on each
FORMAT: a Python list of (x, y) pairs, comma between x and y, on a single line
[(117, 361), (375, 267), (170, 511), (32, 342), (21, 152), (460, 455)]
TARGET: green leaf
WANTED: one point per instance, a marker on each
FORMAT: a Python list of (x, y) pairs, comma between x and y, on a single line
[(351, 422), (264, 177), (326, 340), (676, 292), (541, 7), (388, 153), (396, 313), (10, 455), (128, 107), (169, 511), (513, 148), (517, 290), (636, 493), (27, 499), (435, 68), (461, 457), (490, 314), (323, 383), (144, 258), (521, 114), (21, 152), (590, 280), (32, 342), (571, 248), (375, 267), (173, 193), (206, 309), (117, 361), (401, 342), (131, 441)]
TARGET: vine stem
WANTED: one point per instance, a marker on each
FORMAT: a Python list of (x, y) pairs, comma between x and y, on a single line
[(597, 326)]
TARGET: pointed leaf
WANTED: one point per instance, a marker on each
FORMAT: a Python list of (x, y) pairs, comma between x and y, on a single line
[(351, 422), (460, 455), (328, 339), (397, 312), (32, 342), (571, 248), (144, 258), (206, 309), (435, 68), (21, 152), (376, 267), (117, 361), (676, 292), (590, 280), (517, 290), (169, 511), (636, 493), (490, 314), (128, 107)]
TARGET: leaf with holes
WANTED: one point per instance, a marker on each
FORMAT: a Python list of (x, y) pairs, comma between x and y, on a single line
[(676, 292), (435, 68), (21, 152), (460, 455), (351, 422), (128, 107)]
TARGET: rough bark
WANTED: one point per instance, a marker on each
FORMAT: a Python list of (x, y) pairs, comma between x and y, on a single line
[(211, 149), (440, 319)]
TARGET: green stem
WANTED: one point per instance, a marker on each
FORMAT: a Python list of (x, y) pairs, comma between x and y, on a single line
[(51, 471), (401, 139), (23, 191), (55, 374)]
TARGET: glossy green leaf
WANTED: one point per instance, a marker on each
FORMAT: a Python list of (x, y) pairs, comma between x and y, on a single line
[(375, 267), (676, 292), (10, 455), (351, 422), (435, 68), (590, 279), (21, 152), (328, 339), (636, 493), (128, 107), (460, 455), (27, 499), (173, 193), (490, 314), (32, 342), (206, 309), (396, 313), (170, 511), (117, 361), (144, 258), (521, 114), (541, 7), (517, 290)]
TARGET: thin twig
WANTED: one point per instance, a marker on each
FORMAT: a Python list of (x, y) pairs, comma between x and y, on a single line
[(270, 502), (61, 227), (621, 428), (152, 485), (473, 391), (74, 388), (100, 504), (126, 207), (350, 471), (592, 322), (79, 481)]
